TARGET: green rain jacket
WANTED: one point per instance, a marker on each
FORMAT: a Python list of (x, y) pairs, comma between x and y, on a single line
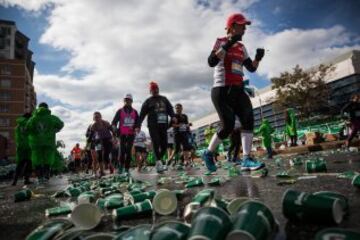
[(265, 130), (21, 139), (290, 127), (42, 128)]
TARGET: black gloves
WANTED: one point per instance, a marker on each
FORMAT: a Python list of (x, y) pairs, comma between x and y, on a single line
[(231, 42), (260, 52)]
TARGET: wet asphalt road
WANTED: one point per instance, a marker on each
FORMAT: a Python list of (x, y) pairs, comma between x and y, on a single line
[(17, 220)]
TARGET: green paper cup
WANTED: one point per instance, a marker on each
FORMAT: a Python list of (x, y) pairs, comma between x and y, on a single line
[(195, 183), (72, 234), (86, 197), (112, 203), (235, 204), (170, 230), (337, 234), (204, 196), (301, 206), (22, 195), (215, 181), (141, 232), (253, 220), (356, 181), (86, 216), (101, 203), (335, 195), (165, 202), (221, 203), (50, 229), (143, 196), (57, 211), (73, 192), (317, 166), (209, 223), (132, 210)]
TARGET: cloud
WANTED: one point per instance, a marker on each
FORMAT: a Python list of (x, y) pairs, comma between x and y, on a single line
[(122, 45)]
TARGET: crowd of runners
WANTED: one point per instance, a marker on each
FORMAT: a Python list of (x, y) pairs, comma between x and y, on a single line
[(113, 145)]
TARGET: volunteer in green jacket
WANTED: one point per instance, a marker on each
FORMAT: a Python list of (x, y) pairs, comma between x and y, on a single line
[(290, 126), (42, 128), (23, 152), (266, 130)]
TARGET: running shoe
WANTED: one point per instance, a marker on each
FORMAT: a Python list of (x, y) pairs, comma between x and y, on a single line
[(209, 160), (250, 164), (159, 168)]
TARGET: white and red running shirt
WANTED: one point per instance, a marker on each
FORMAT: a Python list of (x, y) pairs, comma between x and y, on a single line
[(229, 70)]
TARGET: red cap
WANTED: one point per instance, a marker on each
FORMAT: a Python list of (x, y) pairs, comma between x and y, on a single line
[(236, 18), (153, 86)]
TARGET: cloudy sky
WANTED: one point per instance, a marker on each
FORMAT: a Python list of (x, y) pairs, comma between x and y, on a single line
[(90, 53)]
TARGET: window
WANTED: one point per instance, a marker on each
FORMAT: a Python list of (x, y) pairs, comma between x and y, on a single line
[(5, 83), (5, 96), (4, 122), (5, 70), (2, 43), (4, 108)]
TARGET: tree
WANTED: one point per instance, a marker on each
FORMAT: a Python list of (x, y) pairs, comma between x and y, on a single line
[(305, 91)]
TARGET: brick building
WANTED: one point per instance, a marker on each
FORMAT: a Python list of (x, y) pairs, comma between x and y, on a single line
[(17, 94)]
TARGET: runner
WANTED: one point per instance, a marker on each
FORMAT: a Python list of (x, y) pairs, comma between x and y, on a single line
[(181, 131), (90, 147), (170, 146), (125, 119), (23, 151), (76, 156), (140, 148), (102, 134), (157, 108), (228, 57)]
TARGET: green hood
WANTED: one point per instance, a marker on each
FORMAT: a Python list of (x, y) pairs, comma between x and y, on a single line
[(265, 130), (42, 128)]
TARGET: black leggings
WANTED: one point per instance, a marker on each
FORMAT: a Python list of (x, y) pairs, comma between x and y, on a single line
[(231, 101), (126, 143), (235, 140), (103, 155), (158, 134)]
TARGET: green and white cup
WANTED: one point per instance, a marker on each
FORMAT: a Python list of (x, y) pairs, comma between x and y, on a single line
[(356, 181), (215, 181), (195, 183), (335, 195), (50, 229), (57, 211), (315, 166), (141, 232), (132, 210), (72, 234), (86, 197), (86, 216), (22, 195), (73, 192), (337, 234), (165, 202), (173, 230), (301, 206), (235, 204), (143, 196), (101, 203), (204, 196), (113, 203), (209, 223), (253, 221)]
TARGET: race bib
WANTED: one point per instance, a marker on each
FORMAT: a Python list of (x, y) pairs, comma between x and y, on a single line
[(236, 68), (161, 118), (182, 128), (98, 147), (129, 122)]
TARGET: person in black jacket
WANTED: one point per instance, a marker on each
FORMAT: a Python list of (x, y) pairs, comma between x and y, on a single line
[(353, 110), (181, 131), (157, 108)]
